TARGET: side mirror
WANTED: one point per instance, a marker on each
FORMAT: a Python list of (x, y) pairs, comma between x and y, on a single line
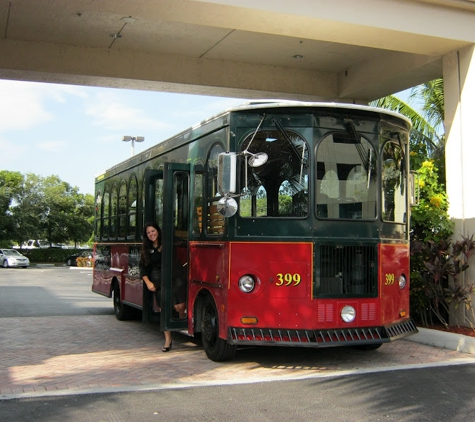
[(227, 173), (227, 206)]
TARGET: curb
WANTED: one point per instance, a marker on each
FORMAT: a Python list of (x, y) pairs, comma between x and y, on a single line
[(450, 341), (40, 265)]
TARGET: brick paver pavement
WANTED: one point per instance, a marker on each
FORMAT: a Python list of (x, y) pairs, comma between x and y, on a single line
[(63, 355)]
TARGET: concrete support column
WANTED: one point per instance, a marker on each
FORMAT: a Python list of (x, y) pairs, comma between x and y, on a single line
[(459, 95)]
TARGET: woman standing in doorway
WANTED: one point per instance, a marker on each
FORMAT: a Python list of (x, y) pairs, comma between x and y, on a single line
[(151, 268)]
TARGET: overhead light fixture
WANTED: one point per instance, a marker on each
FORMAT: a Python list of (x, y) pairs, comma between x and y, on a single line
[(129, 19), (297, 56), (133, 139), (115, 35)]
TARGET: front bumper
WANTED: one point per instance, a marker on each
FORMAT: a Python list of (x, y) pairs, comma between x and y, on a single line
[(17, 263), (321, 338)]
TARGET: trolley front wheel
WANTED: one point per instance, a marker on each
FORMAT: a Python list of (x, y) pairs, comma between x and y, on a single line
[(216, 348), (368, 347)]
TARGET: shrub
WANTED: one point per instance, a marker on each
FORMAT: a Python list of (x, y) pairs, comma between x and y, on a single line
[(50, 255), (436, 286), (436, 262)]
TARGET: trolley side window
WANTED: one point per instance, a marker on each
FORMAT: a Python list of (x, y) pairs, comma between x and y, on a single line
[(132, 208), (198, 209), (215, 222), (98, 216), (394, 189), (122, 211), (105, 215), (113, 213)]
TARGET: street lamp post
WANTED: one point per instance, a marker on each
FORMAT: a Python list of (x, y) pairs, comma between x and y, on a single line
[(133, 139)]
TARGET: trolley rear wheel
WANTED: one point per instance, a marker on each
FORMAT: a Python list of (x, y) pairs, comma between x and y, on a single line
[(122, 312)]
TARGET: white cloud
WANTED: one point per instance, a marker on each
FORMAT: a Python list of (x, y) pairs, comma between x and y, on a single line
[(110, 112), (23, 104)]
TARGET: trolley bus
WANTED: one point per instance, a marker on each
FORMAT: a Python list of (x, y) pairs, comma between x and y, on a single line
[(286, 222)]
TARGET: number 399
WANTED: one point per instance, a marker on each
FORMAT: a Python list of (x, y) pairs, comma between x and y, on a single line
[(288, 279), (390, 279)]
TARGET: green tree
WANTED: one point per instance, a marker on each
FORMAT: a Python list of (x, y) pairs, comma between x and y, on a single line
[(49, 209), (67, 214), (28, 209), (58, 207), (429, 133), (10, 186), (81, 223)]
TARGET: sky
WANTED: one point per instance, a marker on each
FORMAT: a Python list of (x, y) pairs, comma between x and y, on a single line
[(76, 132)]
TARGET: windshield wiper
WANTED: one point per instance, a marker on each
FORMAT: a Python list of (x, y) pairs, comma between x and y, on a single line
[(350, 127), (287, 138), (294, 148)]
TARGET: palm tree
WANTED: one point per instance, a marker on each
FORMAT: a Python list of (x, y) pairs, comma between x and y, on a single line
[(428, 131)]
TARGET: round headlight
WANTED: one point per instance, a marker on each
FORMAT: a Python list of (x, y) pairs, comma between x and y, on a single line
[(402, 281), (348, 313), (246, 284)]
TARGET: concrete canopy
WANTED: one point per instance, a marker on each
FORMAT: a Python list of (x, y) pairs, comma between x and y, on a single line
[(337, 50)]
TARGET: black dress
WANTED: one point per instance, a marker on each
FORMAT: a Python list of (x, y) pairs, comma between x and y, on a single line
[(153, 271)]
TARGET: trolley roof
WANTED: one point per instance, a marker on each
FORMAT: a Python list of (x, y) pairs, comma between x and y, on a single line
[(258, 104), (251, 105)]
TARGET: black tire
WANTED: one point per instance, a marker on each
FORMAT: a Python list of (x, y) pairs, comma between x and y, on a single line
[(216, 348), (69, 262), (122, 312), (368, 347), (5, 264)]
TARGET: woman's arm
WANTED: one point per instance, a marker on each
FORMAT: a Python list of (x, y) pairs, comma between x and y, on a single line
[(144, 276), (149, 284)]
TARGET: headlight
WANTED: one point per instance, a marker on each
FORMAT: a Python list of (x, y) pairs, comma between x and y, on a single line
[(402, 281), (246, 284), (348, 313)]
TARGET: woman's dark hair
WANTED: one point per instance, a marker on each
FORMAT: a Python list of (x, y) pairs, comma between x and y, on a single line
[(147, 244)]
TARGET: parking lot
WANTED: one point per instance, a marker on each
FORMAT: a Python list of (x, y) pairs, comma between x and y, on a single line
[(78, 346)]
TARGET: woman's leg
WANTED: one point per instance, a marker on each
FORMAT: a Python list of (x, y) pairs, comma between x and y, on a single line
[(180, 308), (168, 340)]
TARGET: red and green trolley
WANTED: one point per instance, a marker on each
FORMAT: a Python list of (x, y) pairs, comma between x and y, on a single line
[(286, 222)]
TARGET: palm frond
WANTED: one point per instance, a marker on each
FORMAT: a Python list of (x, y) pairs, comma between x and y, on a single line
[(422, 126), (432, 95)]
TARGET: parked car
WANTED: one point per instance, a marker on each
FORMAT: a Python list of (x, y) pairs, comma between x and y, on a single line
[(71, 260), (33, 244), (13, 258)]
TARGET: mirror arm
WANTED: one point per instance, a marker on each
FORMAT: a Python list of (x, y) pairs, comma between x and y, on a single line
[(254, 134)]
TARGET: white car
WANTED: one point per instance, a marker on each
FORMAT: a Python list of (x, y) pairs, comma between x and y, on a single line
[(13, 258)]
